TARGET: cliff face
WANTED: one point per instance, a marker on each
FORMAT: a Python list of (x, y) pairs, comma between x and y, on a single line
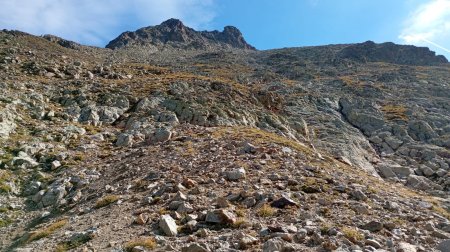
[(173, 33)]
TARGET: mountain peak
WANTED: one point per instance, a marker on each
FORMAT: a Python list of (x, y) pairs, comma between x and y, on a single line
[(172, 33), (172, 22)]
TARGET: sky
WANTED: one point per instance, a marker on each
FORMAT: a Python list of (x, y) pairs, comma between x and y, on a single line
[(266, 24)]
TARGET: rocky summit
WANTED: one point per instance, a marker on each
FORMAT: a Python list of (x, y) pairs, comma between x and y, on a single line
[(171, 139), (173, 33)]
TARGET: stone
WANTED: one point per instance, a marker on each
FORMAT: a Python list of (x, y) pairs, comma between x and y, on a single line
[(249, 148), (24, 160), (141, 219), (168, 225), (361, 208), (420, 130), (196, 247), (138, 249), (235, 174), (220, 216), (443, 246), (246, 241), (56, 164), (124, 140), (406, 247), (420, 183), (273, 245), (373, 243), (160, 135), (53, 196), (426, 171), (439, 234), (359, 195), (373, 226), (185, 208), (401, 171), (386, 171), (283, 202)]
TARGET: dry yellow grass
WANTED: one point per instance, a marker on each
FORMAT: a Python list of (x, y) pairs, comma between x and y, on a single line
[(105, 201), (146, 242), (39, 234), (394, 112), (266, 211)]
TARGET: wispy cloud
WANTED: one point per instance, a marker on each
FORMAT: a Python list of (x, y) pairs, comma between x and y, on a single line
[(98, 21), (429, 25)]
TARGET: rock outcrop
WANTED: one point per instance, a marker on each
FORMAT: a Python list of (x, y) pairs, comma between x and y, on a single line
[(173, 33)]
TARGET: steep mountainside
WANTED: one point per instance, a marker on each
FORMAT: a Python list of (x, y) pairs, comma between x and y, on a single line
[(176, 140)]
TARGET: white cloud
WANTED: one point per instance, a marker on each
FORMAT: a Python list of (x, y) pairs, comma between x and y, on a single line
[(98, 21), (429, 25)]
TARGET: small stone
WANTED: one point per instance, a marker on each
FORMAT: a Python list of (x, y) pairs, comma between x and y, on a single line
[(124, 140), (273, 245), (247, 241), (249, 148), (440, 234), (283, 202), (359, 195), (236, 174), (180, 197), (195, 247), (373, 226), (220, 216), (141, 219), (406, 247), (373, 243), (444, 246), (222, 202), (56, 164), (137, 249), (189, 183), (168, 225)]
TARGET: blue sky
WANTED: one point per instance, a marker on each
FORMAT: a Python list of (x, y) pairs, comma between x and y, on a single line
[(265, 24)]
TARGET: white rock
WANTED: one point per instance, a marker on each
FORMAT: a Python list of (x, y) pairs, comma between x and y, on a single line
[(235, 174), (168, 225)]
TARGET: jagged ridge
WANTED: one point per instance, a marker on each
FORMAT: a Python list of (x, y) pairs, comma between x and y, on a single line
[(174, 33)]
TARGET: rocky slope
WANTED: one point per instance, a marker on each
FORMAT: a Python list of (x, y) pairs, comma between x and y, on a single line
[(169, 146)]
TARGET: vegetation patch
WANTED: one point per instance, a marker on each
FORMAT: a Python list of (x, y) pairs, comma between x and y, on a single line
[(5, 176), (266, 211), (352, 234), (395, 112), (105, 201), (41, 233), (146, 242)]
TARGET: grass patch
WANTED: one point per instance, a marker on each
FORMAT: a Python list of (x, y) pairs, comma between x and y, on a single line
[(4, 177), (352, 234), (39, 234), (146, 242), (5, 222), (395, 112), (68, 245), (266, 211), (240, 223), (105, 201)]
